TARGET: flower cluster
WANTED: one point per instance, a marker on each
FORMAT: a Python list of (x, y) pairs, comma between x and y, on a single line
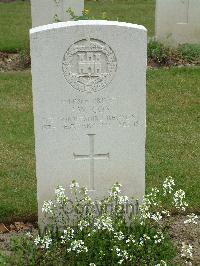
[(119, 236), (60, 195), (103, 223), (115, 190), (127, 239), (74, 185), (48, 207), (78, 246), (179, 200), (130, 240), (44, 242), (168, 185), (68, 235), (191, 219), (121, 254), (186, 251), (148, 209), (159, 237), (83, 224), (144, 239)]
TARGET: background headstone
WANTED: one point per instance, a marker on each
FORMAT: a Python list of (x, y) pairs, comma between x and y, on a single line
[(47, 11), (178, 21), (89, 99)]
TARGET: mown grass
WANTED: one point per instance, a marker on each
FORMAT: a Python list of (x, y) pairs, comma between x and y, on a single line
[(173, 129), (17, 163), (15, 18), (172, 137), (133, 11), (15, 21)]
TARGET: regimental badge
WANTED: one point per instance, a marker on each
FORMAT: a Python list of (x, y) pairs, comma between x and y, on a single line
[(89, 65)]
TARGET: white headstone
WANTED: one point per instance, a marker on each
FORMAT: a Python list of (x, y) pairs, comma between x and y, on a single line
[(178, 21), (89, 95), (48, 11)]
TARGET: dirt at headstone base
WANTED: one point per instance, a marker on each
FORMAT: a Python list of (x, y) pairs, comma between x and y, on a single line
[(179, 232), (18, 62), (14, 61), (16, 229), (188, 233)]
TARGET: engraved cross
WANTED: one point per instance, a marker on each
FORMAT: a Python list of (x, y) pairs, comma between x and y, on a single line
[(91, 157)]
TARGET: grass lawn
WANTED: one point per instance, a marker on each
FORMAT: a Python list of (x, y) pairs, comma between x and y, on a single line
[(172, 139), (173, 129), (15, 21), (15, 18), (17, 163)]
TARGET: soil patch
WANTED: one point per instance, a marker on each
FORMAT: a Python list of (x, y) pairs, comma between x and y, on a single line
[(21, 61), (188, 233), (14, 61)]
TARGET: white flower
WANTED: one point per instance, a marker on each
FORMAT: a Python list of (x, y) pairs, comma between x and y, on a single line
[(37, 240), (192, 219), (156, 217), (179, 197), (83, 224), (103, 223), (78, 246), (143, 239), (166, 212), (44, 243), (130, 240), (60, 195), (29, 235), (150, 200), (119, 235), (188, 263), (74, 185), (92, 264), (84, 190), (68, 235), (48, 207), (162, 263), (186, 251), (158, 238), (115, 190), (122, 254), (168, 185), (123, 199)]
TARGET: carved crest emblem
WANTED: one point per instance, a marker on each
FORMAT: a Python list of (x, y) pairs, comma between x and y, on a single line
[(89, 65)]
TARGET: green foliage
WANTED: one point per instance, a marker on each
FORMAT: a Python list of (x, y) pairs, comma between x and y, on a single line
[(157, 51), (109, 237), (24, 58), (85, 15), (164, 55), (190, 52)]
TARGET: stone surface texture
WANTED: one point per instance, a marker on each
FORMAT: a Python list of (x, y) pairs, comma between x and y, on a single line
[(47, 11), (89, 100), (178, 21)]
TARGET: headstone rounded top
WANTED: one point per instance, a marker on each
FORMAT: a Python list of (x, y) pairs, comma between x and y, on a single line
[(86, 23)]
